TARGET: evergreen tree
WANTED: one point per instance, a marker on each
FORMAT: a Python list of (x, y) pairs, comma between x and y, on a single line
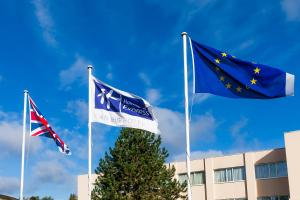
[(38, 198), (73, 197), (134, 170), (34, 198), (47, 198)]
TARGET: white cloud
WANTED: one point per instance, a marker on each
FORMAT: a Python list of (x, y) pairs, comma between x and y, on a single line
[(238, 126), (11, 131), (77, 72), (51, 171), (153, 96), (292, 9), (246, 44), (198, 155), (79, 146), (238, 135), (185, 10), (172, 127), (79, 108), (53, 167), (144, 77), (9, 185), (109, 76), (241, 140), (7, 116), (46, 22), (10, 137), (78, 141), (200, 98)]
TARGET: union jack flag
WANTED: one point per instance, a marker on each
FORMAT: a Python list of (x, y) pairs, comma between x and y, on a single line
[(39, 126)]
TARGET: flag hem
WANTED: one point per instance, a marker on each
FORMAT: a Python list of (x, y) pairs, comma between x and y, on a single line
[(289, 85)]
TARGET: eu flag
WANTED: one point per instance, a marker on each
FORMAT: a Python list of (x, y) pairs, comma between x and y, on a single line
[(220, 73)]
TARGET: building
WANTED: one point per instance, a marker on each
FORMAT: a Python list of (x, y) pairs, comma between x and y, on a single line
[(82, 186), (4, 197), (262, 175)]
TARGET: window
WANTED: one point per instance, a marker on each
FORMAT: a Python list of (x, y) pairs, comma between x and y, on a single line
[(182, 178), (220, 176), (271, 170), (197, 178), (274, 198), (281, 169), (264, 198), (239, 174), (230, 174)]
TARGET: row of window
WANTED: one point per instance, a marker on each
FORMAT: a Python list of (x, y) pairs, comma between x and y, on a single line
[(271, 170), (230, 175), (235, 199), (263, 198), (274, 198), (262, 171), (197, 178)]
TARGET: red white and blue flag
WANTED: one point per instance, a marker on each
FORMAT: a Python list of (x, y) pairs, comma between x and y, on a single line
[(39, 126)]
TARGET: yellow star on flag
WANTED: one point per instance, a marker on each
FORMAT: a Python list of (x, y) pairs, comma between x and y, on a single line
[(253, 81), (217, 60), (217, 69), (257, 70), (239, 89), (228, 85), (224, 54), (222, 78)]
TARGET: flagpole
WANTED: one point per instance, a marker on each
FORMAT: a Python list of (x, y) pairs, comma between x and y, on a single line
[(187, 121), (23, 144), (90, 67)]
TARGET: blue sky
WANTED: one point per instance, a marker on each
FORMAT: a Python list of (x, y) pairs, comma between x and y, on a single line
[(135, 46)]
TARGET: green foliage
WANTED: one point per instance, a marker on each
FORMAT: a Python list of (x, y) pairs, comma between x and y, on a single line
[(34, 198), (134, 170), (38, 198), (73, 197), (47, 198)]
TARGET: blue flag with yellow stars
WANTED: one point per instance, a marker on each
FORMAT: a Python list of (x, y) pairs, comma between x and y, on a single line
[(219, 73)]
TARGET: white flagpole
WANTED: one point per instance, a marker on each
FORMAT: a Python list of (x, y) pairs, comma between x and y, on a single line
[(187, 121), (90, 136), (23, 144)]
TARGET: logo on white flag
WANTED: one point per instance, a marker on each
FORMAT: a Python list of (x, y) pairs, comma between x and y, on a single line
[(106, 97), (118, 108)]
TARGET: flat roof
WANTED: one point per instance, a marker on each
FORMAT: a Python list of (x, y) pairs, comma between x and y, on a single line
[(229, 154)]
